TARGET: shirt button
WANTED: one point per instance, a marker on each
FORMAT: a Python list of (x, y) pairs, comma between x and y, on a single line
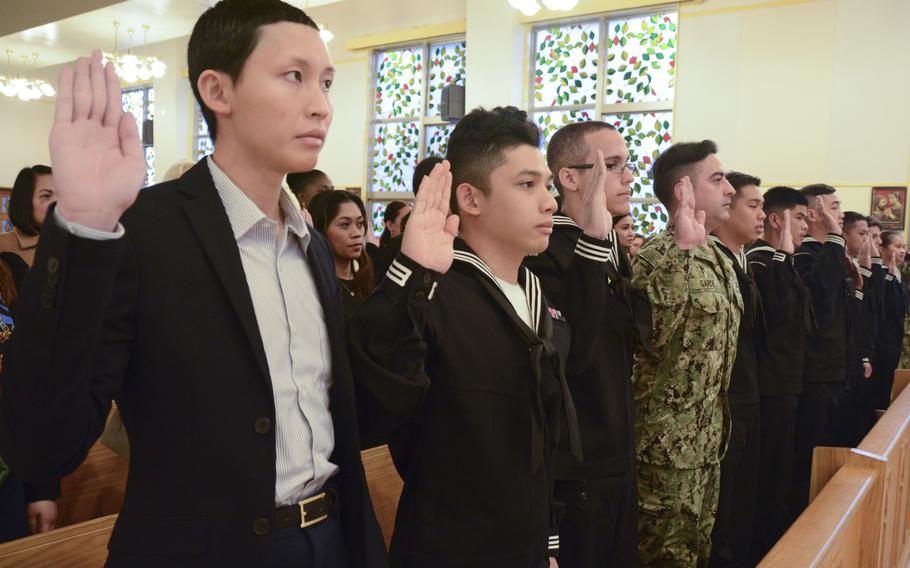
[(261, 526), (53, 265), (419, 295), (427, 278), (263, 425)]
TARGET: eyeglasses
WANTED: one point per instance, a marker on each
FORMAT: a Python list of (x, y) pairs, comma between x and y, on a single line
[(617, 169)]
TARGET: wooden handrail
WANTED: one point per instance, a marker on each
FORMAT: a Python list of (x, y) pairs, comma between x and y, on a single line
[(82, 545)]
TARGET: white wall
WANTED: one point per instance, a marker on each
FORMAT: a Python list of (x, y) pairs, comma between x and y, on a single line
[(800, 92), (25, 127)]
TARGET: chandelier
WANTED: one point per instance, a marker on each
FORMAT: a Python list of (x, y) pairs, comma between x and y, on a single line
[(131, 67), (531, 7), (23, 88)]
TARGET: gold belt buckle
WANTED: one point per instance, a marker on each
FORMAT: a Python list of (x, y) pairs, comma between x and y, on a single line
[(304, 522)]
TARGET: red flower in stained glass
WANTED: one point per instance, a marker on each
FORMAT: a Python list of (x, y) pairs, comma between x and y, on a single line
[(633, 60), (666, 137), (615, 40)]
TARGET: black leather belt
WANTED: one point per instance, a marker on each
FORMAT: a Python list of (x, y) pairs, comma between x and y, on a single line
[(311, 511)]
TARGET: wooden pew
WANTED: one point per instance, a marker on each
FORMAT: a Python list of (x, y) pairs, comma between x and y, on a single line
[(830, 531), (95, 489), (870, 483), (385, 487), (83, 545)]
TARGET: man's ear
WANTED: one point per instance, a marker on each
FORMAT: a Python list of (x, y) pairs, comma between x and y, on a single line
[(216, 90), (774, 219), (469, 199), (812, 215), (568, 179)]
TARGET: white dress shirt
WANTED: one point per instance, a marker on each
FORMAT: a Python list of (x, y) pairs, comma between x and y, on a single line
[(294, 335)]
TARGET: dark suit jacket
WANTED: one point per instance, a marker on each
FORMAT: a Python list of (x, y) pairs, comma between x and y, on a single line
[(162, 321)]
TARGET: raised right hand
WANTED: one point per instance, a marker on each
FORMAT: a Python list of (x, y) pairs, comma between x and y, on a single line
[(430, 235), (690, 224), (830, 223), (597, 221), (786, 234), (865, 253), (96, 154)]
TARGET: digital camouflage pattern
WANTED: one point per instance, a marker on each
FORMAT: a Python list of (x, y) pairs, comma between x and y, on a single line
[(682, 419), (677, 509)]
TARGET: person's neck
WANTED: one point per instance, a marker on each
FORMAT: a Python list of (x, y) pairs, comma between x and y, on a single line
[(503, 263), (260, 184), (344, 268), (572, 208), (772, 237), (817, 231), (729, 240)]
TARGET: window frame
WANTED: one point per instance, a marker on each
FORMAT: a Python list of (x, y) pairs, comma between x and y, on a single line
[(372, 197), (145, 88)]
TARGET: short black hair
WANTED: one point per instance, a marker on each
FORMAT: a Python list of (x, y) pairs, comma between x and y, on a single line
[(873, 222), (781, 198), (298, 181), (21, 208), (226, 34), (424, 167), (676, 162), (740, 180), (817, 189), (478, 141), (567, 145), (389, 215), (851, 218)]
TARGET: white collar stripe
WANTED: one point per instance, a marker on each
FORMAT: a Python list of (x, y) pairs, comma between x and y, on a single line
[(399, 273)]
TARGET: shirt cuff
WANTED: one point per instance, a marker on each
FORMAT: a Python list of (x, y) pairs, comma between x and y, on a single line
[(88, 232)]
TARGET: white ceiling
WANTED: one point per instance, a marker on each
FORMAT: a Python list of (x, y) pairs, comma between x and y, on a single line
[(64, 40)]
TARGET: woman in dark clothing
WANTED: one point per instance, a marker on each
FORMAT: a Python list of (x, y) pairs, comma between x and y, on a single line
[(341, 217), (24, 507)]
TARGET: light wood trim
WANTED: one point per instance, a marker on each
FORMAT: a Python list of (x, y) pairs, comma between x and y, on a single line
[(825, 463), (829, 531), (385, 487), (901, 380), (77, 546)]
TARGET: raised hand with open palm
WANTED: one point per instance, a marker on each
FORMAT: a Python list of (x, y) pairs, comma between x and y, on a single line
[(430, 235), (95, 149), (690, 224)]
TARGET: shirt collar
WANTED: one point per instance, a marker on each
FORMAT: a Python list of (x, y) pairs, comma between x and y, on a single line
[(243, 214)]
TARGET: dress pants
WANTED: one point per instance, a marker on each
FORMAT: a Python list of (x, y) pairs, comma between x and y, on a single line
[(775, 479), (599, 527), (317, 546), (731, 539)]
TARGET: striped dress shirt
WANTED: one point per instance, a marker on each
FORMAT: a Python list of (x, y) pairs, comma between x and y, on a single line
[(292, 325)]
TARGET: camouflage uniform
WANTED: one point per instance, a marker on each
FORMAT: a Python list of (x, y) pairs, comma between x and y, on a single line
[(682, 420)]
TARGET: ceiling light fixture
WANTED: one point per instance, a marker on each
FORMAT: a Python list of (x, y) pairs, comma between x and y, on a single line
[(132, 68), (324, 33), (23, 88)]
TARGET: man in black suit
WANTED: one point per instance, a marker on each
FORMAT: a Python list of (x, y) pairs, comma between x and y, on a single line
[(209, 312)]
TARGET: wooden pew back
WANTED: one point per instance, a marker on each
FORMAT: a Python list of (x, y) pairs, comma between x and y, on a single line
[(830, 531), (95, 489)]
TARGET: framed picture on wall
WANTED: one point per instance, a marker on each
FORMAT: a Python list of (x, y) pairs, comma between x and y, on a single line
[(889, 205)]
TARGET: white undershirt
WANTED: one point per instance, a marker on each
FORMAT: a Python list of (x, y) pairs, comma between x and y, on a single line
[(516, 295)]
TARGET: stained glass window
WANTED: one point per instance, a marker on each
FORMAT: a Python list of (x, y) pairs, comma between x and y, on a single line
[(641, 59), (550, 122), (649, 218), (647, 134), (406, 123), (140, 101), (395, 149), (202, 141), (621, 70)]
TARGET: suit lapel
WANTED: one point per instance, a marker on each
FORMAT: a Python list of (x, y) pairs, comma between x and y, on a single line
[(209, 221)]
